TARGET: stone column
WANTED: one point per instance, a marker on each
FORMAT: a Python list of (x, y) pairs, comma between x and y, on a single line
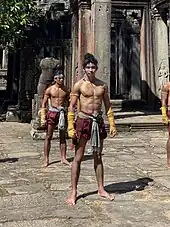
[(74, 33), (161, 64), (101, 37), (4, 59), (169, 28), (84, 33)]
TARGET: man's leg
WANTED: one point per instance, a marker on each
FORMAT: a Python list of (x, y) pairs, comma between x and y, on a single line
[(168, 151), (99, 171), (47, 144), (63, 148), (75, 170)]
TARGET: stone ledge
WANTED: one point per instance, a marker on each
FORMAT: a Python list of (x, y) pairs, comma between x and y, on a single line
[(41, 134)]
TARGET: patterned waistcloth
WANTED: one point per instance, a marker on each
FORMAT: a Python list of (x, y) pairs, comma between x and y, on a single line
[(56, 116), (95, 129)]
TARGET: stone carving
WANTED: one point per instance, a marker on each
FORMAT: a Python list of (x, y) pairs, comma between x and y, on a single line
[(48, 66), (163, 74), (154, 13)]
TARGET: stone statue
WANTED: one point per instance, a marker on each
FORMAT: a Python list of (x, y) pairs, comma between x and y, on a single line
[(162, 74), (48, 66)]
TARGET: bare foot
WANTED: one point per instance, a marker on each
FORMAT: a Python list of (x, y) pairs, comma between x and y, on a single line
[(71, 201), (168, 165), (46, 163), (106, 195), (64, 161)]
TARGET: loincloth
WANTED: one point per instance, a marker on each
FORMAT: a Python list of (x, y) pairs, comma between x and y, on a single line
[(83, 127), (56, 116)]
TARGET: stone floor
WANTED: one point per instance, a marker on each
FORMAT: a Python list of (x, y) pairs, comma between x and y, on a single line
[(137, 117), (135, 171)]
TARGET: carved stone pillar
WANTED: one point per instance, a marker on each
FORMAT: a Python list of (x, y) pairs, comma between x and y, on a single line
[(101, 38), (74, 32), (84, 34), (160, 38), (168, 22)]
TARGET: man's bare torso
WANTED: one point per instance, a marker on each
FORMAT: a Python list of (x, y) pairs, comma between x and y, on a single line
[(58, 95), (91, 95)]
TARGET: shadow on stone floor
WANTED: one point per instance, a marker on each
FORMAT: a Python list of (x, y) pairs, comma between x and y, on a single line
[(123, 187), (85, 158), (10, 160)]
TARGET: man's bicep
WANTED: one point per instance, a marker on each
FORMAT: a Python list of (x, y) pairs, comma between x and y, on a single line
[(106, 99), (45, 98), (75, 91), (164, 95)]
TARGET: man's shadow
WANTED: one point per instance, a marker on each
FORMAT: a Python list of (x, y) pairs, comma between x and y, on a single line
[(9, 160), (123, 187)]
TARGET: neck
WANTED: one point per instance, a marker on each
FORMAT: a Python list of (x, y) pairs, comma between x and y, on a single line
[(90, 79), (58, 85)]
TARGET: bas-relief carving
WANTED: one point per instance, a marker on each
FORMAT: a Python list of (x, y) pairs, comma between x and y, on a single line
[(163, 74), (105, 74)]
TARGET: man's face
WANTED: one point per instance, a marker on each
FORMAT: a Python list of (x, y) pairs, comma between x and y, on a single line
[(59, 79), (90, 70)]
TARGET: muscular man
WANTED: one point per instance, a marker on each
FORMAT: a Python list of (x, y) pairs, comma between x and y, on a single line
[(165, 99), (58, 94), (89, 124)]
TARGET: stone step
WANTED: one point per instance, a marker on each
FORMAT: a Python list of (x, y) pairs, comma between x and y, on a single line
[(133, 127), (128, 105), (121, 127)]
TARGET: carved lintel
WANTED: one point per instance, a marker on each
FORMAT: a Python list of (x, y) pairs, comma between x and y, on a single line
[(155, 13), (84, 4)]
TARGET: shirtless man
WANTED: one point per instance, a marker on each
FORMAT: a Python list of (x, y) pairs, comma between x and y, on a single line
[(89, 124), (165, 99), (58, 94)]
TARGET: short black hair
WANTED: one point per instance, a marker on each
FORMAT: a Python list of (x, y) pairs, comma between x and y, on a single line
[(89, 58), (58, 72)]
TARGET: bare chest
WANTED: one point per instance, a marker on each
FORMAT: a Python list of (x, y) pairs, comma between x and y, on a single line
[(89, 90), (58, 93)]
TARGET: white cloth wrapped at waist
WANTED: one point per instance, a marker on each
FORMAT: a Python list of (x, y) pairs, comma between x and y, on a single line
[(95, 136), (61, 121)]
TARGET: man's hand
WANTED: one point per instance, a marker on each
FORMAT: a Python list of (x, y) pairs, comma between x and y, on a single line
[(165, 118), (43, 112), (113, 131), (111, 122), (71, 130), (71, 133)]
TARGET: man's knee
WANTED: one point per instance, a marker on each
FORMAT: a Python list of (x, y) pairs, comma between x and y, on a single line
[(49, 137)]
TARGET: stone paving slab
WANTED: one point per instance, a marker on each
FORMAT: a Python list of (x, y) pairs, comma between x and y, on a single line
[(135, 171)]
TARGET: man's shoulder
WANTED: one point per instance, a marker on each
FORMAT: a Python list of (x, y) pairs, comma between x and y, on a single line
[(79, 83), (101, 82), (49, 88), (167, 86)]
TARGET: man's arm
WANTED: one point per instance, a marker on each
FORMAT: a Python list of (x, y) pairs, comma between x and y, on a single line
[(46, 97), (67, 98), (74, 96), (71, 110), (43, 110), (106, 99), (109, 112), (164, 95)]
